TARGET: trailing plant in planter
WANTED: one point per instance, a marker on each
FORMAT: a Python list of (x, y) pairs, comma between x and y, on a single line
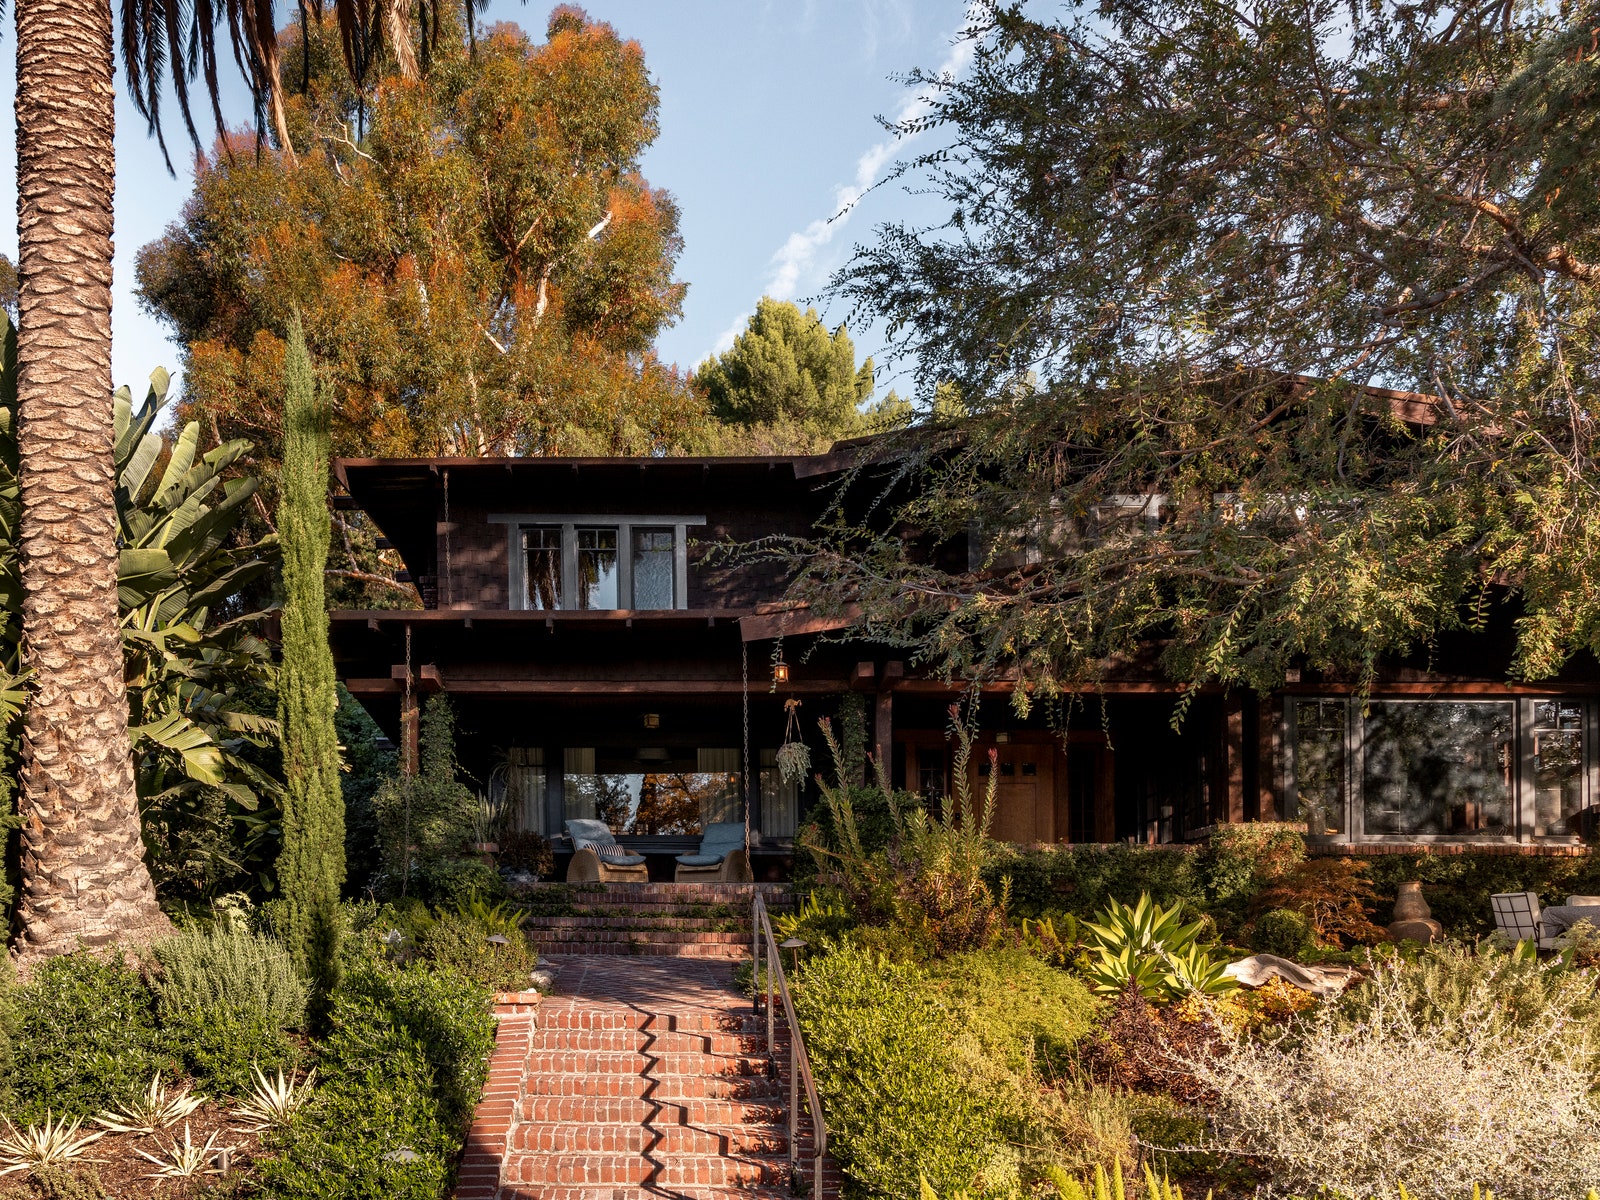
[(794, 756)]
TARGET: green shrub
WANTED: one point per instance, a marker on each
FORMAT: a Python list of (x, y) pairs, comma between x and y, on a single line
[(225, 997), (1281, 931), (87, 1038), (1016, 1011), (401, 1071), (896, 1102), (453, 882), (460, 938), (1083, 879)]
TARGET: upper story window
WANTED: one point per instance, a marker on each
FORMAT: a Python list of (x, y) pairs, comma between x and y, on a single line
[(598, 563)]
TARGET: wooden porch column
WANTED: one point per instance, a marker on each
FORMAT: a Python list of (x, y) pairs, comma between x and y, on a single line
[(1233, 756), (883, 732), (1105, 795), (1268, 730)]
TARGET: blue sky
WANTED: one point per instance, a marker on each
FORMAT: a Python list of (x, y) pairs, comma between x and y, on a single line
[(768, 126)]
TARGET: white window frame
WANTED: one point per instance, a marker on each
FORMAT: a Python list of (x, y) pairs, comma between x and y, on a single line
[(569, 524)]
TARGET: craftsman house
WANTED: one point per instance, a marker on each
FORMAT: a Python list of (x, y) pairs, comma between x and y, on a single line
[(605, 665)]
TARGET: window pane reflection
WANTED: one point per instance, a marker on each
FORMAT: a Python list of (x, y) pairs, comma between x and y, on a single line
[(1319, 752), (1557, 768), (541, 547), (1438, 768), (652, 790), (597, 568)]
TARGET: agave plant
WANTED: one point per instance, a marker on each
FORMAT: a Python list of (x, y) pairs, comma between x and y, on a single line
[(185, 1160), (1151, 948), (49, 1145), (272, 1102), (156, 1109)]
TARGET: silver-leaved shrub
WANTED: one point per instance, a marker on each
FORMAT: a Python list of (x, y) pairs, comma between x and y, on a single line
[(1435, 1077)]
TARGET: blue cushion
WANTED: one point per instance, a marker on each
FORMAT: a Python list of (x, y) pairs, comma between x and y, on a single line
[(617, 856), (590, 833), (722, 837), (700, 860)]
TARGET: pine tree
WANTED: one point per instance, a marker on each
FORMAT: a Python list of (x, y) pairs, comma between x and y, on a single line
[(311, 864)]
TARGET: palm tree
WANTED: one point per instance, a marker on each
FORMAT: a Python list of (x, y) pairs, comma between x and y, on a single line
[(83, 873), (84, 881)]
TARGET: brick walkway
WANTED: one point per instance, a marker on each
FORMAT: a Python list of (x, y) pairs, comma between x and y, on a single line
[(638, 1077)]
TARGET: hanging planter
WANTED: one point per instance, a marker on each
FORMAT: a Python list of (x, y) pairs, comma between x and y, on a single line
[(794, 756)]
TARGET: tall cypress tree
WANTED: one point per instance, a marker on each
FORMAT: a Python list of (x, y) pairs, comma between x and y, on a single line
[(311, 864)]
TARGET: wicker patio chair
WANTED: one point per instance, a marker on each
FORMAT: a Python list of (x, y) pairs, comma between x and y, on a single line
[(598, 859), (721, 858)]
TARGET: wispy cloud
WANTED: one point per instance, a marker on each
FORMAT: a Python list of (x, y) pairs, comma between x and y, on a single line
[(796, 263)]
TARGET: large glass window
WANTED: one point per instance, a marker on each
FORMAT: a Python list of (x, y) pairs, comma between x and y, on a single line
[(541, 549), (1504, 768), (1436, 768), (653, 553), (1319, 754), (652, 790), (1557, 768), (597, 568)]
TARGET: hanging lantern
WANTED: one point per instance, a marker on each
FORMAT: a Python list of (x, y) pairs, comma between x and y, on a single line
[(780, 670)]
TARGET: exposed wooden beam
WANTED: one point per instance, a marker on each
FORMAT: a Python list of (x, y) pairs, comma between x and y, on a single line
[(598, 688)]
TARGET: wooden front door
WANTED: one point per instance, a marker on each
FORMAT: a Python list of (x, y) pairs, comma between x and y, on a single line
[(1024, 809), (1047, 792)]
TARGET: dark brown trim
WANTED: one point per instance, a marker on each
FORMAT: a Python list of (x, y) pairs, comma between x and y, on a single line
[(601, 688)]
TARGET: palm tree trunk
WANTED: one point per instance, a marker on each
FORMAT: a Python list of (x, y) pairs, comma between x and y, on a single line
[(83, 873)]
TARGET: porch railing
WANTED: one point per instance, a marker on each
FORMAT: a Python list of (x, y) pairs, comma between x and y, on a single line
[(776, 984)]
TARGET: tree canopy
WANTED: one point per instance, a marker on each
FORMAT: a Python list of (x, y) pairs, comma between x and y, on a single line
[(789, 375), (480, 266), (1187, 245)]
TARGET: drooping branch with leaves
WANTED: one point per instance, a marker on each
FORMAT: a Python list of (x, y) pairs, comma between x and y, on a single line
[(1272, 333)]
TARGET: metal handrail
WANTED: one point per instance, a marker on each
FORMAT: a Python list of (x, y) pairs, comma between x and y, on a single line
[(799, 1063)]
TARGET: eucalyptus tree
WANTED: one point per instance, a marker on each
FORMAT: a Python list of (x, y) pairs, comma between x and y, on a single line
[(1273, 332)]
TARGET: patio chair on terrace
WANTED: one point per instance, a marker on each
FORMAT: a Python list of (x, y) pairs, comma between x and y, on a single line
[(598, 859), (1516, 914), (721, 858)]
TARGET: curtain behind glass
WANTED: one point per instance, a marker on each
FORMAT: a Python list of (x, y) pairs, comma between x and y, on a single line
[(718, 785), (652, 568), (780, 801)]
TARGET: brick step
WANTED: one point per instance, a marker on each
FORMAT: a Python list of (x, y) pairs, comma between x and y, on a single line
[(579, 1138), (672, 1087), (725, 953), (627, 934), (522, 1169), (707, 1171), (545, 1192), (558, 1016), (614, 1110), (646, 1040), (568, 1061), (637, 922)]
